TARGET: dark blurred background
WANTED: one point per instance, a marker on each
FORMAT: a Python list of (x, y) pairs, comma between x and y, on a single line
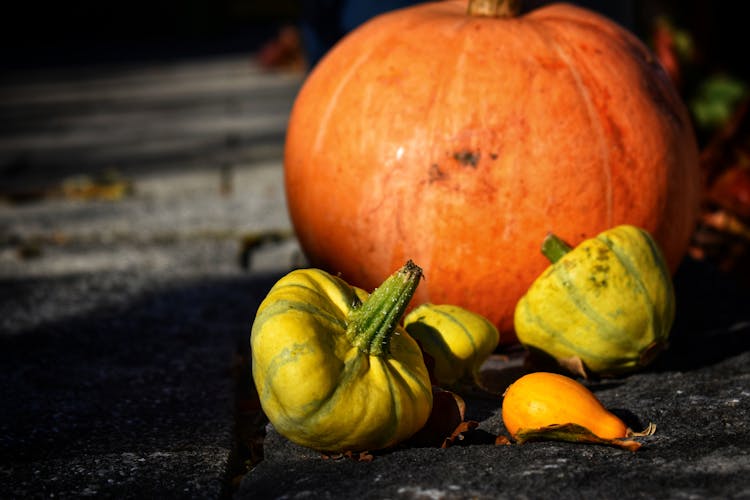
[(695, 38), (70, 32), (82, 32)]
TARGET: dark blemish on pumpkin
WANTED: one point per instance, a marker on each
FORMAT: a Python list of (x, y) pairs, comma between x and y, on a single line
[(603, 254), (494, 156), (467, 158), (436, 174)]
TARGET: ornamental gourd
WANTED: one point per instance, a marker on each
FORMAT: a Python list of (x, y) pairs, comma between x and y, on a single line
[(460, 139), (543, 405), (541, 399), (333, 369), (458, 341), (604, 307)]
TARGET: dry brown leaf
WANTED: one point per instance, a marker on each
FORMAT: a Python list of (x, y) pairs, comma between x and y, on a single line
[(109, 186), (446, 423), (574, 365), (458, 432), (501, 440), (574, 433), (362, 456)]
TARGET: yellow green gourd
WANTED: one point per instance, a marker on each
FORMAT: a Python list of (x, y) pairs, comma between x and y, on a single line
[(606, 306), (333, 369), (457, 339)]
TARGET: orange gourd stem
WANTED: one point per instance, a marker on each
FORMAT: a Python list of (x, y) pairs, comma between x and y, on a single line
[(494, 8), (554, 248)]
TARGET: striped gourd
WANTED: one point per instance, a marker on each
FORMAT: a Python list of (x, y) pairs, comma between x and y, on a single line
[(608, 303), (333, 369), (457, 339)]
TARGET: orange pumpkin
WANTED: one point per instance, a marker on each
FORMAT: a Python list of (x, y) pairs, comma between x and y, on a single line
[(460, 140)]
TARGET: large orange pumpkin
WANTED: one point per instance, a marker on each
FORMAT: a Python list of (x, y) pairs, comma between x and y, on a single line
[(460, 141)]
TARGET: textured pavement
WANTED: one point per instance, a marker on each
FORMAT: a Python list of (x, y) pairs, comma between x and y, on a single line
[(124, 322)]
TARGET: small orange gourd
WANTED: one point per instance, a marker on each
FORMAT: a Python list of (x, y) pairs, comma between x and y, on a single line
[(544, 400)]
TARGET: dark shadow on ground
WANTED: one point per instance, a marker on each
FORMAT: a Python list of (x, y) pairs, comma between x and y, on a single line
[(148, 375), (712, 320)]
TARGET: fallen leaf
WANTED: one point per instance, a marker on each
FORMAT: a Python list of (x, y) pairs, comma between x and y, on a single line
[(574, 433), (362, 456), (539, 360), (501, 440), (446, 423), (108, 186)]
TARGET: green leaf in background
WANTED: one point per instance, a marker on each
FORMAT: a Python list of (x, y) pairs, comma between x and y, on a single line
[(716, 99)]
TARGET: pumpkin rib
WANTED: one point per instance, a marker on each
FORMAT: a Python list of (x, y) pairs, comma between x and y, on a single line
[(342, 288), (444, 85), (398, 410), (419, 331), (556, 336), (426, 389), (463, 328), (661, 264), (285, 305), (583, 24), (653, 319), (584, 305), (287, 416), (658, 258), (351, 370), (302, 281), (319, 287), (407, 385), (554, 45), (354, 369), (281, 359), (325, 117)]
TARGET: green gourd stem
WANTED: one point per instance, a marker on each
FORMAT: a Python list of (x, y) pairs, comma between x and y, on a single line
[(554, 248), (371, 324), (494, 8)]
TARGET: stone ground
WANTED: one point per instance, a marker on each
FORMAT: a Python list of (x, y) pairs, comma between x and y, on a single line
[(124, 321)]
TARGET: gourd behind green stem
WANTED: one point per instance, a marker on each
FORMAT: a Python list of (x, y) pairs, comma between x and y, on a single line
[(458, 340)]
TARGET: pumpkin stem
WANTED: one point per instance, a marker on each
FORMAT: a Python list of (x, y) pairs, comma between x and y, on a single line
[(554, 248), (371, 325), (494, 8)]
